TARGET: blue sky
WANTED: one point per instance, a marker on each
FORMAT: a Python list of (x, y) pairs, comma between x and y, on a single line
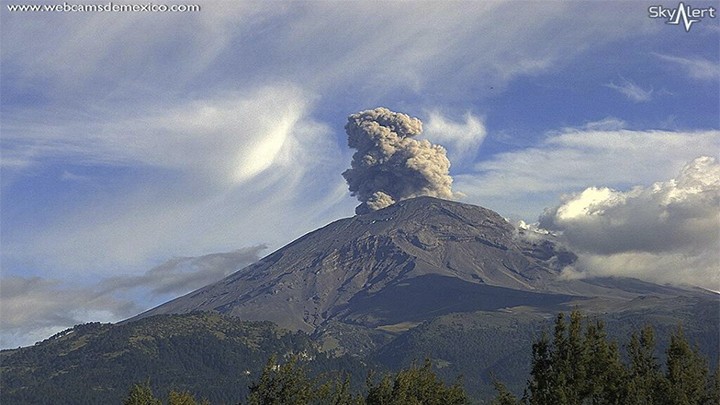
[(147, 154)]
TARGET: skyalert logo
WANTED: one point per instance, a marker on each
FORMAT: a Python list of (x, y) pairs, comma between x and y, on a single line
[(687, 15)]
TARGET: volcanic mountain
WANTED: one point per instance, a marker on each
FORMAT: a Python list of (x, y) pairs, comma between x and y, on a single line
[(408, 263), (422, 278), (423, 249)]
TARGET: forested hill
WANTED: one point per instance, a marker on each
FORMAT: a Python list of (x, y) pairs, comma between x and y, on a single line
[(216, 357)]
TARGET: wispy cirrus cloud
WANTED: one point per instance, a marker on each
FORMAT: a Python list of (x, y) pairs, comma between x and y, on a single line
[(462, 139), (631, 90), (130, 138), (226, 139), (183, 274), (697, 68), (216, 116), (193, 165)]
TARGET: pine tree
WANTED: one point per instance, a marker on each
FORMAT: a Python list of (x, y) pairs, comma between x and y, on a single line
[(687, 372), (337, 392), (713, 387), (504, 397), (282, 384), (604, 374), (183, 398), (578, 368), (645, 381), (141, 394), (415, 385), (540, 386)]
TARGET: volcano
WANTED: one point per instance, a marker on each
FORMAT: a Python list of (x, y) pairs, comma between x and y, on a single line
[(411, 262), (422, 278)]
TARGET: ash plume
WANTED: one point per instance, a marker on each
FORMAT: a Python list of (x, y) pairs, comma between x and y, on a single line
[(389, 164)]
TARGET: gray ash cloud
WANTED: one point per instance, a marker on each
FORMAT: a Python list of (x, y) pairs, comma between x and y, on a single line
[(389, 164)]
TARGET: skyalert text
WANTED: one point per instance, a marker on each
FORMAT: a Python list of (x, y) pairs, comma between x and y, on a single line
[(682, 14)]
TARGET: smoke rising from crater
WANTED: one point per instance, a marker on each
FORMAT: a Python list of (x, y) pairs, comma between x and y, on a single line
[(389, 164)]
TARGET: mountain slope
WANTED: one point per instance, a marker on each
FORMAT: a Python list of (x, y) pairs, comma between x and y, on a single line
[(342, 268), (216, 357), (423, 278)]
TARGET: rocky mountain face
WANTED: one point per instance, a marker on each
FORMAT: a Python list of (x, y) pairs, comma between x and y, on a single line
[(358, 282), (410, 257), (423, 278)]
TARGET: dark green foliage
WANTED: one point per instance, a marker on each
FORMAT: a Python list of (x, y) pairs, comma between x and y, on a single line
[(581, 366), (184, 398), (218, 357), (282, 384), (337, 391), (473, 345), (504, 396), (415, 385), (644, 374), (288, 383), (141, 394), (209, 355), (687, 373), (714, 387)]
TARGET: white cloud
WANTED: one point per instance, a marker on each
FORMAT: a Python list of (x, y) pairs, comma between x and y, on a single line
[(213, 174), (181, 275), (632, 91), (665, 232), (441, 48), (227, 139), (695, 68), (128, 56), (523, 182), (461, 139), (215, 117), (34, 308)]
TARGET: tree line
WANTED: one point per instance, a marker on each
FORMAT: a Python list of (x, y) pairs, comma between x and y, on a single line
[(577, 364)]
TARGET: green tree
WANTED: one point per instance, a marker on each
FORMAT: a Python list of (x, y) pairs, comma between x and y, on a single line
[(282, 384), (336, 391), (541, 385), (714, 387), (579, 365), (183, 398), (687, 372), (558, 369), (585, 368), (604, 376), (504, 397), (415, 385), (141, 394), (645, 380)]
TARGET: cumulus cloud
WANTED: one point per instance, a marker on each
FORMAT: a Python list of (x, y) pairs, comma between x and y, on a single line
[(208, 133), (389, 164), (523, 182), (667, 232), (462, 139), (631, 90)]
